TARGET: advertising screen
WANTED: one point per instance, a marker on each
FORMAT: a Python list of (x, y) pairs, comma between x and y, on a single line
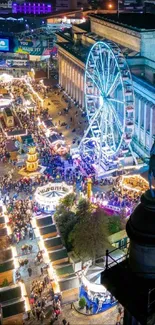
[(4, 44)]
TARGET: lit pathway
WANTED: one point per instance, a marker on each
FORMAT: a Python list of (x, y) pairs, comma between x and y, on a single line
[(31, 258)]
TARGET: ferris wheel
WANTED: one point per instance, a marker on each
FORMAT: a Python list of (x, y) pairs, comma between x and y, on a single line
[(109, 103)]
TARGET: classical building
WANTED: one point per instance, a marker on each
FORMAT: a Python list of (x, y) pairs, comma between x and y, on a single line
[(135, 35)]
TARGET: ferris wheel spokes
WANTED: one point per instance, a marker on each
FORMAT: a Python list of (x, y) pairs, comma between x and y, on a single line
[(109, 99)]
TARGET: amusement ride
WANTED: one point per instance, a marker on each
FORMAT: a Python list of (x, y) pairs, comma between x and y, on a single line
[(109, 102)]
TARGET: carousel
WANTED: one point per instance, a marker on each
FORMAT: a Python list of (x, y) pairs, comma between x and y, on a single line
[(47, 197), (135, 183)]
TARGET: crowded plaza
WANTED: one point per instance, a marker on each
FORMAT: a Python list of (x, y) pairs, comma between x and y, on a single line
[(38, 169)]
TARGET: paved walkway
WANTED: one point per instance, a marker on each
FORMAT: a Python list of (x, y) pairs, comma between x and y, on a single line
[(75, 318), (31, 258)]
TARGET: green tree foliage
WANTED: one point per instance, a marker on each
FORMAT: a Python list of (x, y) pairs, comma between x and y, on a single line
[(5, 283), (66, 218), (89, 234), (114, 224), (82, 302)]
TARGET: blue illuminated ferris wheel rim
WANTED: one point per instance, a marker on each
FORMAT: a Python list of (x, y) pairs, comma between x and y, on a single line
[(111, 77)]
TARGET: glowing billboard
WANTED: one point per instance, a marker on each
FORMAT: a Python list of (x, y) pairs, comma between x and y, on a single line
[(4, 44)]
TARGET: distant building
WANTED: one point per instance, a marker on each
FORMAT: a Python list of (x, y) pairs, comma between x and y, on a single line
[(6, 4), (70, 4), (31, 7), (135, 35)]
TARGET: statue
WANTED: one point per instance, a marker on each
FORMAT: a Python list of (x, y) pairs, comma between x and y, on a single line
[(151, 172)]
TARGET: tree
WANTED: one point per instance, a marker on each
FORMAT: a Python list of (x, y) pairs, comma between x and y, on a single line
[(82, 302), (67, 204), (89, 236), (66, 218), (114, 224)]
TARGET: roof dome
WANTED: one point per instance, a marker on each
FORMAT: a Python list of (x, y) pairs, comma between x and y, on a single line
[(141, 224)]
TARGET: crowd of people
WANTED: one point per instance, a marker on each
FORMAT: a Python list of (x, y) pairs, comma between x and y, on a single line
[(18, 195), (116, 197)]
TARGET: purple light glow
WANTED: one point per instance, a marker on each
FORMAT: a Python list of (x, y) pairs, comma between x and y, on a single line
[(35, 8)]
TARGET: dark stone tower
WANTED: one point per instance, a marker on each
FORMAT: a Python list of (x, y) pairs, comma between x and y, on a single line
[(132, 281)]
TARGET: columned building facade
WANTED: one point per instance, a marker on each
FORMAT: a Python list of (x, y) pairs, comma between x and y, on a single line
[(71, 77), (72, 70)]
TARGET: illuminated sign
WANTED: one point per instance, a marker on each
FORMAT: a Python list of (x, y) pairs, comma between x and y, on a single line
[(4, 44)]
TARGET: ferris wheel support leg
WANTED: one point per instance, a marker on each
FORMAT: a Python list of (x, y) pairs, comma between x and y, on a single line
[(90, 125), (132, 153)]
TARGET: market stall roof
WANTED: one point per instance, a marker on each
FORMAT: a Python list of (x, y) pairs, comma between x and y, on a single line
[(48, 229), (71, 282), (10, 292), (7, 266), (27, 139), (55, 137), (13, 308), (16, 132), (64, 269), (2, 220), (5, 255), (43, 222), (58, 254), (52, 242), (10, 146), (48, 123), (92, 275), (3, 232), (117, 236)]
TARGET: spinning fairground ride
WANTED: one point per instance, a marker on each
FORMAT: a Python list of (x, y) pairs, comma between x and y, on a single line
[(109, 103)]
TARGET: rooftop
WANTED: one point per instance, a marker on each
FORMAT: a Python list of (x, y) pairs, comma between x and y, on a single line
[(78, 50), (71, 282), (48, 230), (85, 26), (58, 254), (64, 270), (136, 21), (52, 242), (45, 221)]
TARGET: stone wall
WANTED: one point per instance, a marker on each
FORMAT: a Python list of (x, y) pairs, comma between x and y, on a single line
[(118, 34), (148, 45)]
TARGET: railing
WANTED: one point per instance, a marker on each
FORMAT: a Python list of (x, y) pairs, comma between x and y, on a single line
[(116, 261)]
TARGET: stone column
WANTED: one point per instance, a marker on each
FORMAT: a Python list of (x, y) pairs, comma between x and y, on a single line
[(65, 75), (139, 116), (60, 69), (69, 78), (145, 117), (72, 80), (77, 85), (151, 126), (79, 89)]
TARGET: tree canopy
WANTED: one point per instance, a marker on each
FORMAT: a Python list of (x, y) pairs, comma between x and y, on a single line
[(89, 235)]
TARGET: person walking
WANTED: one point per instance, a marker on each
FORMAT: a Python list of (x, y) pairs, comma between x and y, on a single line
[(64, 322), (29, 271), (42, 271)]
